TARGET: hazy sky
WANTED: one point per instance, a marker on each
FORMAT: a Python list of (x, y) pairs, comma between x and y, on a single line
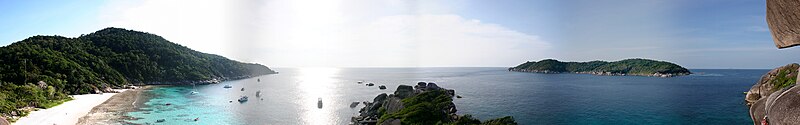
[(426, 33)]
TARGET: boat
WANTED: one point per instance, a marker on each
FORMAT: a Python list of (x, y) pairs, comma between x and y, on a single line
[(382, 87), (370, 84), (242, 89), (359, 82), (228, 86), (354, 104), (161, 120), (259, 80), (243, 99), (319, 103), (258, 93), (194, 89)]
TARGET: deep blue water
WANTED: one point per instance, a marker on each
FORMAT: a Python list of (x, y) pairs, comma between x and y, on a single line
[(711, 96)]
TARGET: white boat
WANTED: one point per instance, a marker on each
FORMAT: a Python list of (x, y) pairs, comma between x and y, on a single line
[(243, 99), (228, 86), (194, 89), (258, 93), (319, 103)]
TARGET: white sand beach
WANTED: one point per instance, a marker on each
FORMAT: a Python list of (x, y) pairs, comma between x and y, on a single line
[(67, 113)]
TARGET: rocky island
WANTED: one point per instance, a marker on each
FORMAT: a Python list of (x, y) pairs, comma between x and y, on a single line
[(634, 67), (423, 104)]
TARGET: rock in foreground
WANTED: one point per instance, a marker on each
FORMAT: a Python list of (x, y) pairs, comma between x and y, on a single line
[(774, 99), (425, 103)]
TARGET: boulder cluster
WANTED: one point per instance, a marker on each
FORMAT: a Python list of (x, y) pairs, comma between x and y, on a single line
[(774, 98), (391, 103)]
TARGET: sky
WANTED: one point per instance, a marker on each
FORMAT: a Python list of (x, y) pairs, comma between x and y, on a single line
[(426, 33)]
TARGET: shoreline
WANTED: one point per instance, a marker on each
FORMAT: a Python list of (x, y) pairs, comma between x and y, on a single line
[(113, 110), (72, 110)]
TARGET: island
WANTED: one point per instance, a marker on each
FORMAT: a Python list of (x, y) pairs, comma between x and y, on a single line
[(424, 104), (632, 67), (43, 71)]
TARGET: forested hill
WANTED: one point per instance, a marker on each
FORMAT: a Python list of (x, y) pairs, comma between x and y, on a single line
[(639, 67), (113, 57)]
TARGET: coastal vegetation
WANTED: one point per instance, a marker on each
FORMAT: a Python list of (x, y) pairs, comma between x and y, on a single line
[(641, 67), (41, 71)]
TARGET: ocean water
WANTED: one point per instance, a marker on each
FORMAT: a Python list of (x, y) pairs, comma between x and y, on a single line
[(711, 96)]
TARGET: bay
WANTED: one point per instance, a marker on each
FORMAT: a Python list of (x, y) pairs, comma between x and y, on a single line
[(710, 96)]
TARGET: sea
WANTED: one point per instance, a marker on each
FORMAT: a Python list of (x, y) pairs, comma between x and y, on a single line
[(709, 96)]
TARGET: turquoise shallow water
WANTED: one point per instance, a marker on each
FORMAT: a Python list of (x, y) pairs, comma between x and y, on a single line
[(708, 97)]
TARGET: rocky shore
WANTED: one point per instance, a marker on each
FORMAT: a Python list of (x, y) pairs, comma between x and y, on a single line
[(424, 103), (773, 99), (113, 110)]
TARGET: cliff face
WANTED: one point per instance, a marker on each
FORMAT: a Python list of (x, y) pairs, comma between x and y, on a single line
[(773, 98)]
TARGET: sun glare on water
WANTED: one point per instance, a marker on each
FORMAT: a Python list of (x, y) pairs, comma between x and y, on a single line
[(315, 84)]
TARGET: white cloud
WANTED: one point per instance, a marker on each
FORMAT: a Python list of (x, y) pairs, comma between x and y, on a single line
[(445, 40), (294, 33)]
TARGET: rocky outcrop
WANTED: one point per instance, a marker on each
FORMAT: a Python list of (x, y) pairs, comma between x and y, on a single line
[(425, 103), (771, 82), (783, 17), (404, 91), (773, 98)]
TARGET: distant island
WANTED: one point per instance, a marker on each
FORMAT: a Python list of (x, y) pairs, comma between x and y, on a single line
[(41, 71), (634, 67)]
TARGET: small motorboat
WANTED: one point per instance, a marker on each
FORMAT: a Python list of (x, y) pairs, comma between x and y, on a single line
[(243, 99), (228, 86), (354, 104), (370, 84), (242, 89), (259, 80), (258, 93), (382, 87), (161, 120), (197, 119), (168, 104), (319, 103), (194, 92), (359, 82)]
